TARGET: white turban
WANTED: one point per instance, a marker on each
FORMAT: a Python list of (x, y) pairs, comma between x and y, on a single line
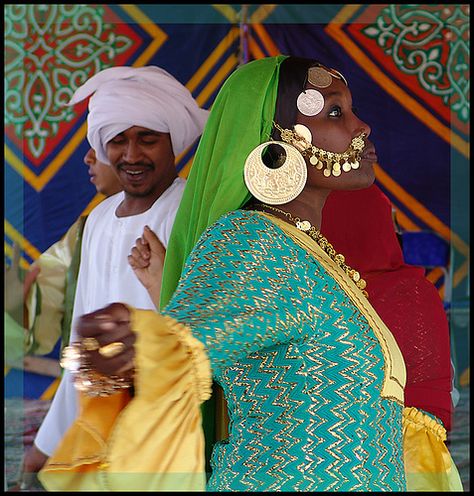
[(147, 97)]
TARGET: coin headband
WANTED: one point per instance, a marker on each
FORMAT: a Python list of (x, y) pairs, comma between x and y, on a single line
[(321, 76), (310, 102), (332, 163)]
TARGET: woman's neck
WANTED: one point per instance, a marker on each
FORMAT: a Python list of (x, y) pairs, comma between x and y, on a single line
[(307, 206)]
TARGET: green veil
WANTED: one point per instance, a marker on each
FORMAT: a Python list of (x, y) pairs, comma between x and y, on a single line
[(240, 119)]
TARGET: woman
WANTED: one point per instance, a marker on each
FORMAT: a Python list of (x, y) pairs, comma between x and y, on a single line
[(254, 297), (360, 225)]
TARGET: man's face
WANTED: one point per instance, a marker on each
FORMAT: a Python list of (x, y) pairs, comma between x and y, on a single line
[(103, 176), (143, 159)]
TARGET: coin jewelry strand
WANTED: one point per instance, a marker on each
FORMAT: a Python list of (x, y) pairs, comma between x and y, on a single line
[(310, 230)]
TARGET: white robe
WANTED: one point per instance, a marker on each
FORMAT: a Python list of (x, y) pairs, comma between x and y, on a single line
[(106, 277)]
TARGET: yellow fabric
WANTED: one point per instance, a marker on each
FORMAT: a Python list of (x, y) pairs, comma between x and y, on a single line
[(428, 463), (161, 426), (395, 371), (51, 281), (75, 463)]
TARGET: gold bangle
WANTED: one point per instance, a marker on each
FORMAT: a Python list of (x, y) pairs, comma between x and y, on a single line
[(94, 384), (87, 380)]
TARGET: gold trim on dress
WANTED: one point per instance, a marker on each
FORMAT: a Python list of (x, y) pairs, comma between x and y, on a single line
[(394, 368)]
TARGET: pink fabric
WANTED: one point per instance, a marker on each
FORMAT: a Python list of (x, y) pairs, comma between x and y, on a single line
[(359, 225)]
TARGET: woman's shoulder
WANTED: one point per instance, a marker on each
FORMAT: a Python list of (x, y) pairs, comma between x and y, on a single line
[(242, 220), (244, 224), (247, 229)]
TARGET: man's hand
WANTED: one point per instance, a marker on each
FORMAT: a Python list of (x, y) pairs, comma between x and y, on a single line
[(103, 327), (146, 259)]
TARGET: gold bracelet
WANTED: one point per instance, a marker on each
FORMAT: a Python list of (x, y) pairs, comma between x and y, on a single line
[(87, 380)]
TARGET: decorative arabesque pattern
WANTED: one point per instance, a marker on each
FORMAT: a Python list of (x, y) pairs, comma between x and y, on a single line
[(50, 50), (431, 42)]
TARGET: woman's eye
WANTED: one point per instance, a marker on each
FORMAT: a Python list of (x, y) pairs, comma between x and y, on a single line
[(335, 112)]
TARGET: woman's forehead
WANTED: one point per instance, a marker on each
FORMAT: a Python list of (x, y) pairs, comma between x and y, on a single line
[(336, 89)]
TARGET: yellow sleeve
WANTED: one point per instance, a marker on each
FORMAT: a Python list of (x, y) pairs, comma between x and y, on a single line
[(154, 442), (428, 463), (45, 323)]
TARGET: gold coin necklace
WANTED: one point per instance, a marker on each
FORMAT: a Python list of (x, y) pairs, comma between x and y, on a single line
[(312, 232)]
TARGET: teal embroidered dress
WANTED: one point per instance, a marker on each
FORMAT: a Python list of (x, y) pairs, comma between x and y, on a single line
[(301, 367)]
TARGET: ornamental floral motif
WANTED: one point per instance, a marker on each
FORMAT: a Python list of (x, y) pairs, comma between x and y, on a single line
[(431, 42), (50, 50)]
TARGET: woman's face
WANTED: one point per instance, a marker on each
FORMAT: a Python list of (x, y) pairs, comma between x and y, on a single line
[(333, 129)]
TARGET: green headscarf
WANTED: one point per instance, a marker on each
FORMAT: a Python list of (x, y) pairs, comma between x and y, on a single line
[(240, 119)]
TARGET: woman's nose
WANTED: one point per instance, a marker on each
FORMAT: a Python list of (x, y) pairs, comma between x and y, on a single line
[(362, 127)]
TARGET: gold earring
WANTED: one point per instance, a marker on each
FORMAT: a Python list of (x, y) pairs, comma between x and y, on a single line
[(275, 186)]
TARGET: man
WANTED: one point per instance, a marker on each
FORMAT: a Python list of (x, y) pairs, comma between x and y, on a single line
[(139, 120), (59, 265), (53, 276)]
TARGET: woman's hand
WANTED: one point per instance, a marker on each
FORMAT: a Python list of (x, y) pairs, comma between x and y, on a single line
[(146, 259), (108, 339)]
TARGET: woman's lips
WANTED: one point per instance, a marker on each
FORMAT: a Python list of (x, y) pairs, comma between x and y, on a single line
[(369, 154)]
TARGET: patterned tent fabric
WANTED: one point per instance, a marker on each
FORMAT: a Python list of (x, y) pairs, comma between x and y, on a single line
[(407, 66)]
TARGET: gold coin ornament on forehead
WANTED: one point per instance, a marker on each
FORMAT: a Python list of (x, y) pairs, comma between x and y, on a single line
[(310, 102), (319, 77)]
